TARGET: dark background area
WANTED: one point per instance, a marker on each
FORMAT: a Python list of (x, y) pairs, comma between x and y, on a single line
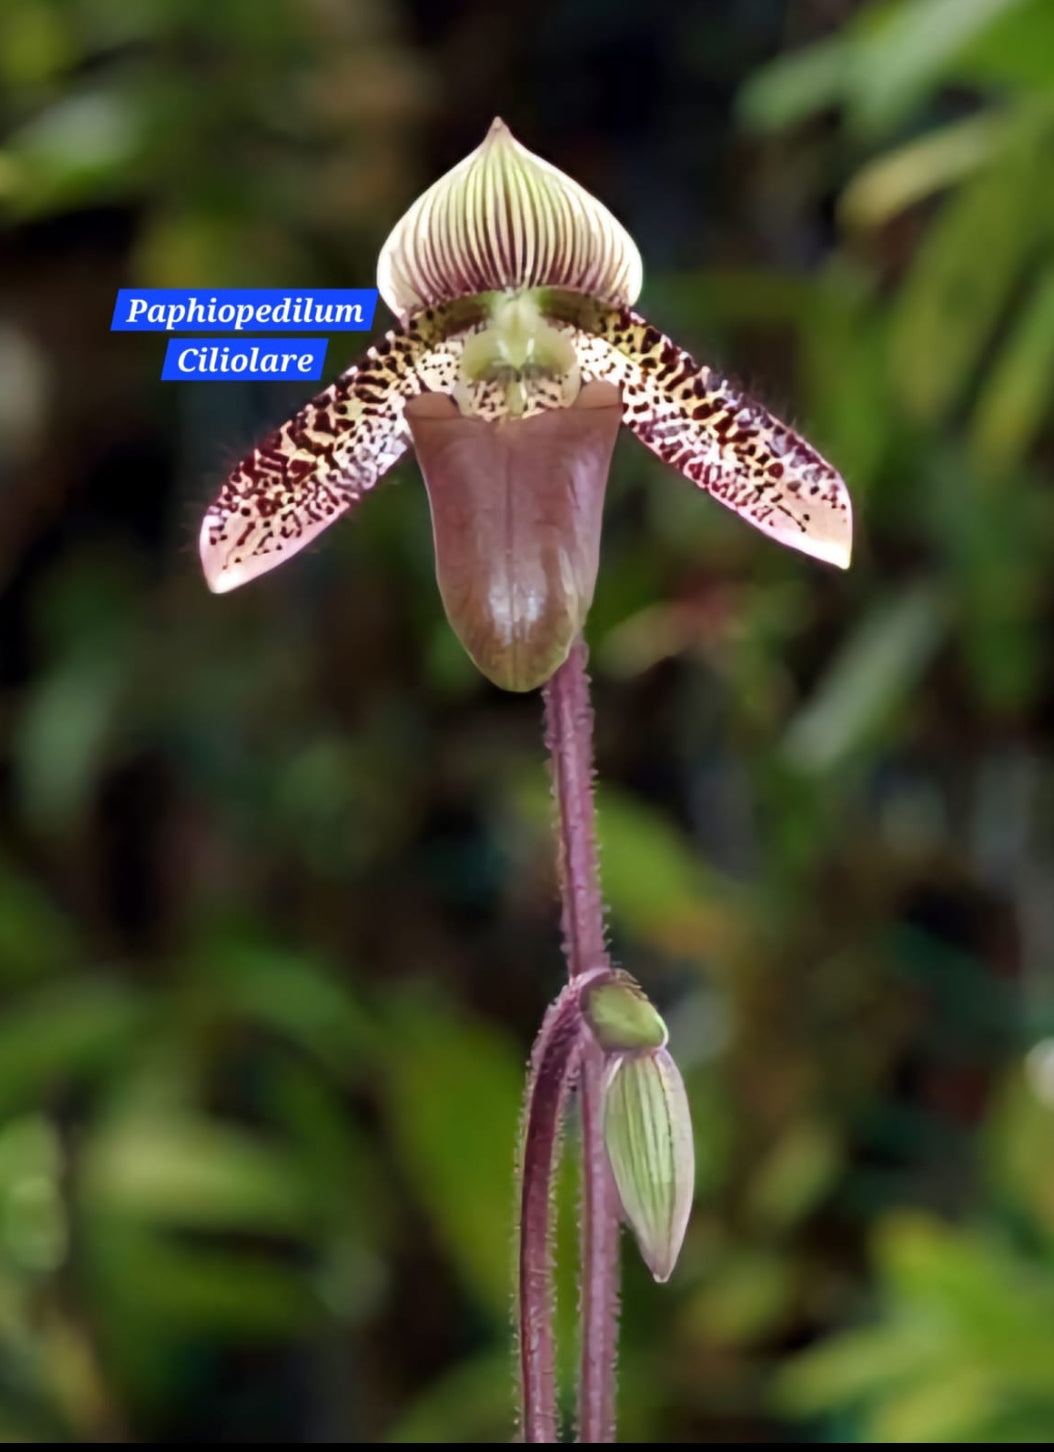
[(277, 910)]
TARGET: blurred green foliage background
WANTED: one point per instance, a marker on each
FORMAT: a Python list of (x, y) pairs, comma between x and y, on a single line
[(277, 910)]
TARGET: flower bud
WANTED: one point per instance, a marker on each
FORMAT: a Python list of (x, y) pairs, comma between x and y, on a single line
[(648, 1136)]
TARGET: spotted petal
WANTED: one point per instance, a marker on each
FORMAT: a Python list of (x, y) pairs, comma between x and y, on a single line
[(504, 218), (716, 436), (324, 459)]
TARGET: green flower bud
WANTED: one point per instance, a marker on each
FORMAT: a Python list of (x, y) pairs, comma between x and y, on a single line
[(648, 1136), (622, 1017)]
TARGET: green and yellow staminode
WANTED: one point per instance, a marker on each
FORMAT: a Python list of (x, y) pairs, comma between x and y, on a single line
[(517, 358)]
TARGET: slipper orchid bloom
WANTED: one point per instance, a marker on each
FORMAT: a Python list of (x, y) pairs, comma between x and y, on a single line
[(517, 358)]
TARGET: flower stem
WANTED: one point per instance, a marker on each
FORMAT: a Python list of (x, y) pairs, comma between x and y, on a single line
[(554, 1061), (600, 1265), (569, 737)]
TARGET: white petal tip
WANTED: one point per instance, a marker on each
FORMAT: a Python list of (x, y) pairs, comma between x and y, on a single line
[(221, 581), (838, 552), (821, 528), (221, 575)]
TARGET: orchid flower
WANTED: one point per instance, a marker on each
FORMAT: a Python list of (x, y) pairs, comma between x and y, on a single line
[(517, 357)]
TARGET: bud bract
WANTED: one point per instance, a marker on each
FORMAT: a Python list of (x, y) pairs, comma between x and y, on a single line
[(621, 1015)]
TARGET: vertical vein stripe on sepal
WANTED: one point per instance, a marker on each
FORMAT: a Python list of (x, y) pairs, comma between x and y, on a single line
[(504, 218), (718, 437), (326, 457)]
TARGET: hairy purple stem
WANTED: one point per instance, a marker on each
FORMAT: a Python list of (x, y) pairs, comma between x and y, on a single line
[(554, 1061), (569, 737), (600, 1265)]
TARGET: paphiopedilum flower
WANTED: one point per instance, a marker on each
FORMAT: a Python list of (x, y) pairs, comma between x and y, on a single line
[(517, 358)]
